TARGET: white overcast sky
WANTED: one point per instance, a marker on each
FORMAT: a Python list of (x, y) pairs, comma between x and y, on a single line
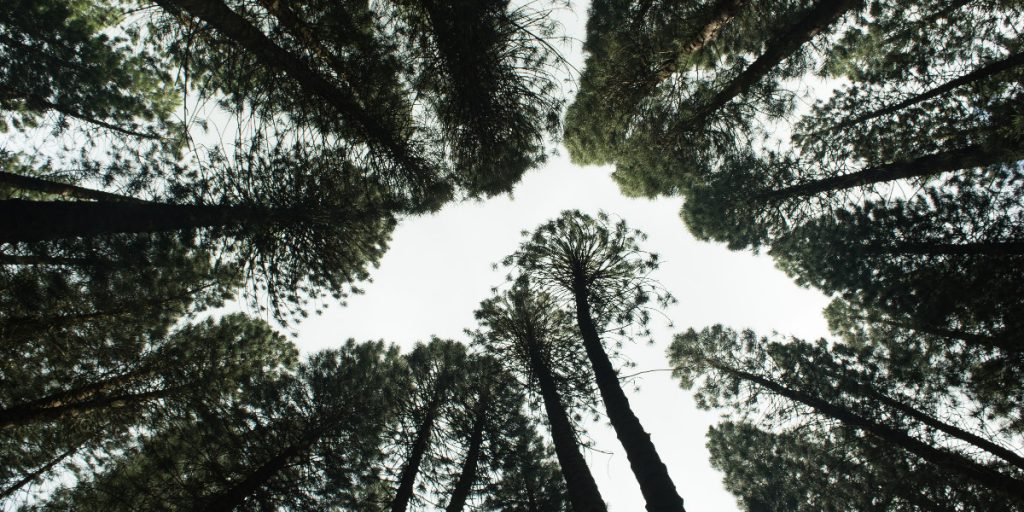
[(438, 269)]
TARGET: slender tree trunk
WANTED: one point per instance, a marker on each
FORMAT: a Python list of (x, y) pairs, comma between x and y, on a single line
[(39, 102), (964, 158), (78, 395), (38, 472), (655, 483), (1013, 248), (979, 74), (233, 497), (579, 482), (717, 18), (464, 485), (17, 416), (226, 21), (821, 17), (10, 259), (32, 221), (407, 481), (44, 186), (987, 477), (937, 424)]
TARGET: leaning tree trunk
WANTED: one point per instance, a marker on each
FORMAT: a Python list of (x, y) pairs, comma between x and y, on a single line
[(268, 53), (981, 73), (407, 480), (947, 460), (716, 19), (464, 485), (39, 408), (32, 221), (18, 416), (579, 482), (233, 497), (820, 18), (968, 157), (651, 473), (38, 472), (33, 184)]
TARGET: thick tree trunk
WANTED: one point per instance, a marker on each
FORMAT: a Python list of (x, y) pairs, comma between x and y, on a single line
[(226, 21), (33, 184), (407, 481), (33, 221), (655, 483), (1014, 248), (234, 496), (820, 18), (955, 462), (964, 158), (981, 73), (579, 482), (36, 473), (464, 485), (717, 18), (70, 397), (24, 415)]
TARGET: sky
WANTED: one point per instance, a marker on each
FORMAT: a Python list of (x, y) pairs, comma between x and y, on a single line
[(439, 268)]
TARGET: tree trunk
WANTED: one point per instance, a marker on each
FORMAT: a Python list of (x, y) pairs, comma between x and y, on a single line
[(407, 480), (579, 482), (78, 395), (233, 497), (964, 158), (955, 462), (655, 483), (226, 21), (464, 485), (1013, 248), (41, 103), (44, 186), (36, 473), (981, 73), (820, 18), (33, 221), (937, 424), (717, 18), (24, 415)]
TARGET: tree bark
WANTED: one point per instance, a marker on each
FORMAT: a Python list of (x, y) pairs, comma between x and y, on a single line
[(18, 416), (226, 21), (716, 19), (1012, 248), (464, 485), (233, 497), (820, 18), (33, 221), (407, 480), (955, 462), (981, 73), (963, 158), (655, 483), (74, 396), (44, 186), (579, 482)]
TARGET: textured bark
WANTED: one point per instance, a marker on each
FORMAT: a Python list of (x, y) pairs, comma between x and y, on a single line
[(651, 473), (32, 221), (716, 19), (229, 23), (464, 484), (817, 20), (407, 481), (24, 415), (981, 73), (968, 157), (234, 496), (69, 398), (582, 489), (950, 461), (33, 184)]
